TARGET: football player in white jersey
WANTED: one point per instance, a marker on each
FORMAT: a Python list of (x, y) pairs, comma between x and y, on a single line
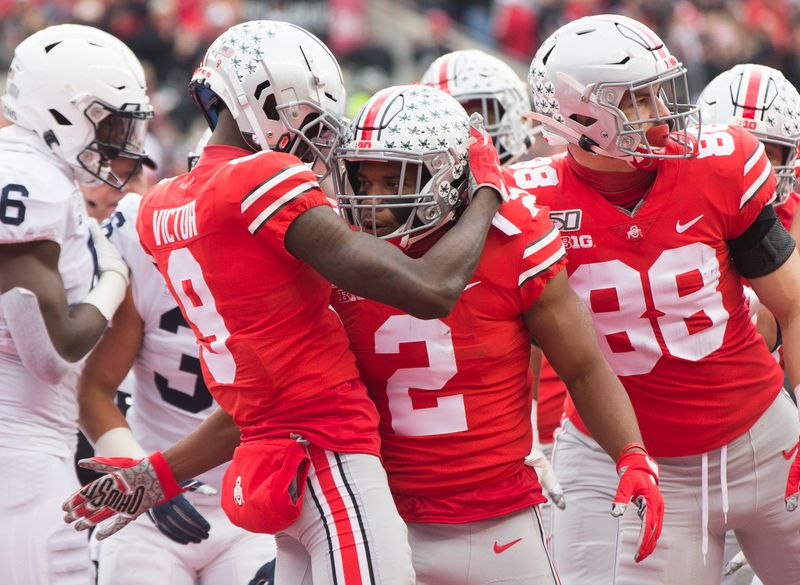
[(188, 537), (77, 101)]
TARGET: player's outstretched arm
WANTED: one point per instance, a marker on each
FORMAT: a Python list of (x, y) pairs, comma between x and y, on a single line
[(425, 287), (360, 263), (561, 324)]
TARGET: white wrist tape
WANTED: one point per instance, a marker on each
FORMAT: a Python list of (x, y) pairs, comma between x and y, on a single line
[(118, 442), (108, 294), (24, 319)]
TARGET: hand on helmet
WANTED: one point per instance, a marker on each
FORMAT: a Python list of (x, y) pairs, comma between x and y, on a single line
[(484, 163)]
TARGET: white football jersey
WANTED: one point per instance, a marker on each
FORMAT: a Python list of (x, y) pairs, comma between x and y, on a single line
[(39, 200), (169, 397)]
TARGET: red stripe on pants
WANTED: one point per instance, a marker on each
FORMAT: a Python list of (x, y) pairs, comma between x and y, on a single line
[(351, 566)]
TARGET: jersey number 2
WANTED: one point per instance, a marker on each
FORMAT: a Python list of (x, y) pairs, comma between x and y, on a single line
[(449, 414)]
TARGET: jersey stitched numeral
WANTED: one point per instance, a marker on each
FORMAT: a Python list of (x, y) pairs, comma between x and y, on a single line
[(678, 292), (117, 220), (200, 398), (449, 414), (715, 144), (535, 173), (8, 205), (200, 308)]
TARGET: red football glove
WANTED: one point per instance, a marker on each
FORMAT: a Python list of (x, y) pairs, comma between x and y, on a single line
[(129, 488), (484, 164), (638, 481), (793, 482)]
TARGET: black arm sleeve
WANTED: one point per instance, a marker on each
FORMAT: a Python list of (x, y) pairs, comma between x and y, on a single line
[(763, 247)]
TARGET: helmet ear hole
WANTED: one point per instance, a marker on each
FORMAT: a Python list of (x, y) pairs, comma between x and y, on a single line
[(60, 118), (271, 107)]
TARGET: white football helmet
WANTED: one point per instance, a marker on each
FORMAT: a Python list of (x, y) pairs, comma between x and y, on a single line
[(475, 78), (83, 92), (581, 73), (282, 85), (763, 101), (425, 130)]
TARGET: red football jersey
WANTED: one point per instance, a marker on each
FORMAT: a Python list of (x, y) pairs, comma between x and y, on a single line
[(454, 394), (273, 352), (552, 393), (667, 303)]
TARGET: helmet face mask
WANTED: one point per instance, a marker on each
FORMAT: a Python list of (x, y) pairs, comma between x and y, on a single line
[(582, 73), (118, 133), (419, 131), (293, 104), (763, 101), (484, 84), (83, 92)]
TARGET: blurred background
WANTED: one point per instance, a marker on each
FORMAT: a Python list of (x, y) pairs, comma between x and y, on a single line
[(384, 42)]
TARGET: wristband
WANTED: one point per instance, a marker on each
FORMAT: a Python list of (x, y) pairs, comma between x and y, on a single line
[(109, 293), (630, 447), (169, 485), (118, 442)]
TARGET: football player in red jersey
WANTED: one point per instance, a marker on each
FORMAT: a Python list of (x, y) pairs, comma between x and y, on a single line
[(454, 394), (761, 100), (667, 225), (246, 241)]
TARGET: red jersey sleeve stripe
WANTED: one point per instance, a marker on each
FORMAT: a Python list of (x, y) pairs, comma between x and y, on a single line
[(543, 265), (542, 242), (270, 183), (756, 174), (279, 204)]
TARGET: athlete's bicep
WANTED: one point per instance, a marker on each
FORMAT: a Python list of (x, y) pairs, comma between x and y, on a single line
[(34, 266), (562, 326)]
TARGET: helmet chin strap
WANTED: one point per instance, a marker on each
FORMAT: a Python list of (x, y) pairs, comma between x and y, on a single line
[(565, 130)]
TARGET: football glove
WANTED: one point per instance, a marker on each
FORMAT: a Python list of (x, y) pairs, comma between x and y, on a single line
[(638, 482), (178, 520), (129, 488), (484, 163), (736, 563), (793, 481), (547, 477), (265, 575)]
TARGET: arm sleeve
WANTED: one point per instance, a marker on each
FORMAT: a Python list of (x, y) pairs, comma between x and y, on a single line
[(763, 247), (269, 207), (543, 256), (757, 186)]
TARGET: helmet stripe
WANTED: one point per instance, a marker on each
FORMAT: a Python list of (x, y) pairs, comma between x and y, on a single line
[(444, 83), (371, 113), (650, 37), (755, 79)]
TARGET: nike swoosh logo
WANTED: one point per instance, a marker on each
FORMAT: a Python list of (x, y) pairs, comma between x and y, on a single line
[(682, 228), (498, 548), (471, 284)]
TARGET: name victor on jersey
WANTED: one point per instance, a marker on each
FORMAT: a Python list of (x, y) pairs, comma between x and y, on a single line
[(178, 223)]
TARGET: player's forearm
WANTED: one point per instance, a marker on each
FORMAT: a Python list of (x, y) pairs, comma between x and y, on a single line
[(98, 412), (75, 334), (447, 266), (211, 444), (605, 408)]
